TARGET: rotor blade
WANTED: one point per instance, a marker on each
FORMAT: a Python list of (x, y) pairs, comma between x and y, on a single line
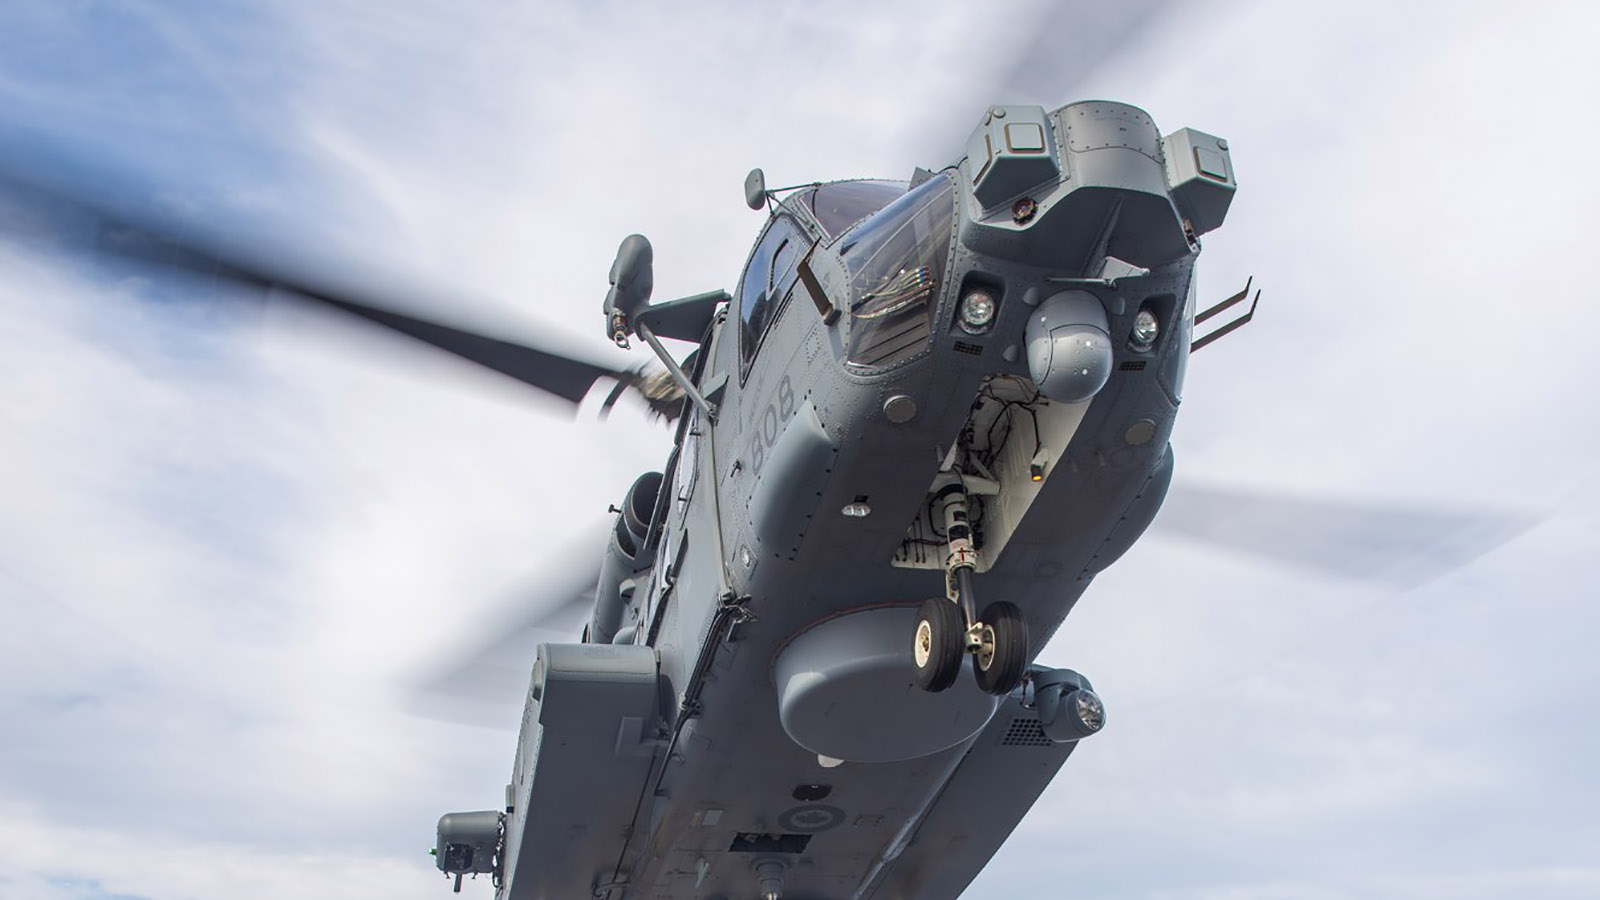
[(486, 682), (1046, 60), (30, 210), (492, 679), (1070, 42), (1405, 545)]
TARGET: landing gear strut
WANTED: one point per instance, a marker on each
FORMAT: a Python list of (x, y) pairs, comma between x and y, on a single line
[(948, 627)]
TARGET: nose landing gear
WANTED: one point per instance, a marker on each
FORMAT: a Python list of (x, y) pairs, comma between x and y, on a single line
[(998, 642), (947, 627)]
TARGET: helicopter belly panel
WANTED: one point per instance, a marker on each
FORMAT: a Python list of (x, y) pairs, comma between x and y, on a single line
[(588, 746), (997, 782)]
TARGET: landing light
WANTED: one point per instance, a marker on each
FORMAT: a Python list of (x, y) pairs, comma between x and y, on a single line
[(1090, 711), (977, 311), (857, 510), (1145, 329)]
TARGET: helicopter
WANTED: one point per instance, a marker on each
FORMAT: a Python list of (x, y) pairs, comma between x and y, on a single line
[(932, 411), (929, 415)]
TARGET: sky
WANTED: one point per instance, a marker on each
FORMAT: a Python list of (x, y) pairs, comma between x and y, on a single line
[(236, 538)]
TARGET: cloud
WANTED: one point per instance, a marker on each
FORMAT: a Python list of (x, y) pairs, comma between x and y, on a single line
[(144, 866)]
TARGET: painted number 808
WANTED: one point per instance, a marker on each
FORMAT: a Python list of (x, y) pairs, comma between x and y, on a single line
[(770, 425)]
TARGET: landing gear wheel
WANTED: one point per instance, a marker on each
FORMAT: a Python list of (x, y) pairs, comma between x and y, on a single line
[(938, 644), (1002, 658)]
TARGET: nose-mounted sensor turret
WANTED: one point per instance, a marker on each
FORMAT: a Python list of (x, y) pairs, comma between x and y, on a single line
[(1069, 346)]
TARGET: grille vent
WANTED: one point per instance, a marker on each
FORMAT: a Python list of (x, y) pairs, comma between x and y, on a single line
[(969, 349), (892, 340), (1132, 365), (1025, 733)]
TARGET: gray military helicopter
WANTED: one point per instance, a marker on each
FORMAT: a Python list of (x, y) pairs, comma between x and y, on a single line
[(932, 412)]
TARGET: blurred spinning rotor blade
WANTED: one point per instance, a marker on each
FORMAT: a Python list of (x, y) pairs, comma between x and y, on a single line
[(1071, 41), (486, 682), (52, 216), (1403, 545), (1045, 59)]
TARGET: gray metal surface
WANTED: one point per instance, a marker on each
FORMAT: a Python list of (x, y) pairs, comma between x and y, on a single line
[(845, 690), (588, 742), (1200, 170), (1069, 347), (999, 779)]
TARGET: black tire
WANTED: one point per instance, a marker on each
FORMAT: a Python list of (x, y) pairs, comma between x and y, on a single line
[(938, 643), (1001, 671)]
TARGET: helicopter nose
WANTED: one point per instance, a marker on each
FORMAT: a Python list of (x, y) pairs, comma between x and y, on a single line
[(1069, 346)]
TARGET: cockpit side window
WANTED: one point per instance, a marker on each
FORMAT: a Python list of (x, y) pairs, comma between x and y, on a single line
[(768, 279), (896, 260)]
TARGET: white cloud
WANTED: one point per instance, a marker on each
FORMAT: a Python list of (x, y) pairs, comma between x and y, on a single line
[(151, 866)]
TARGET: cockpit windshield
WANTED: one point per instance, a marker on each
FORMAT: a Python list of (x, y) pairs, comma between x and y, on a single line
[(839, 204), (896, 260)]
